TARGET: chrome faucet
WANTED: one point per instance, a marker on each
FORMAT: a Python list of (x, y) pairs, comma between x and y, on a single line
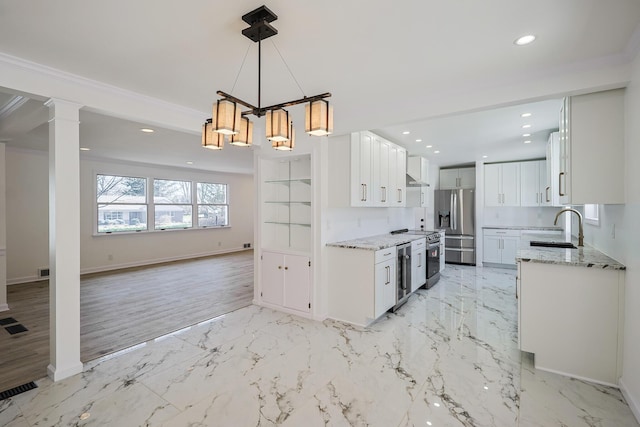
[(580, 229)]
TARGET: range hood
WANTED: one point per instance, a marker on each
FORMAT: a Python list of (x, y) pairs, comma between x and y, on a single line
[(417, 171)]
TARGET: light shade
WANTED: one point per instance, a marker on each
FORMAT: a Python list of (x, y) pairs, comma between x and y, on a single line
[(278, 125), (244, 138), (226, 117), (211, 139), (318, 118), (288, 144)]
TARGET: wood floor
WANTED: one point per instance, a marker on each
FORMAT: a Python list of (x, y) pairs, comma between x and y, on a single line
[(123, 308)]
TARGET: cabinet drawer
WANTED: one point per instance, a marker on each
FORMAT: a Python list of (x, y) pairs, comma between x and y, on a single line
[(418, 244), (502, 232), (385, 254)]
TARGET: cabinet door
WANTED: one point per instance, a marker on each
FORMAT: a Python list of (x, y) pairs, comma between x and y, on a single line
[(381, 172), (564, 149), (272, 278), (509, 249), (400, 195), (385, 286), (448, 179), (361, 172), (492, 188), (530, 184), (297, 283), (419, 269), (467, 178), (543, 183), (492, 249), (510, 184)]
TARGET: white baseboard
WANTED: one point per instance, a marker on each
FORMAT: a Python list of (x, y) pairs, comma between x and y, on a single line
[(4, 307), (633, 403), (57, 374), (578, 377), (100, 269)]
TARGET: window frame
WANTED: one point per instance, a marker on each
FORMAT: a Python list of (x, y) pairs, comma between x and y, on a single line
[(588, 217), (225, 205), (97, 205), (155, 204)]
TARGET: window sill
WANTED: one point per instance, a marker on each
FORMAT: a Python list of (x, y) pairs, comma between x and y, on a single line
[(168, 230)]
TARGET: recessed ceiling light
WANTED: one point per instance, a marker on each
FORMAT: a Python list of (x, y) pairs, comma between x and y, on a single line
[(525, 115), (526, 126), (406, 132), (527, 142), (418, 140), (147, 130), (429, 146), (526, 135), (524, 40), (189, 163), (85, 149), (437, 151), (484, 157)]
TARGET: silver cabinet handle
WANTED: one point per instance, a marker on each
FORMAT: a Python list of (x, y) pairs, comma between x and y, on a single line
[(399, 195), (362, 192), (422, 197), (388, 275), (546, 193), (366, 191), (560, 184), (420, 261)]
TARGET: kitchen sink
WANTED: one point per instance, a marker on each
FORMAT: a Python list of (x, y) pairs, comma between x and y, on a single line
[(566, 245)]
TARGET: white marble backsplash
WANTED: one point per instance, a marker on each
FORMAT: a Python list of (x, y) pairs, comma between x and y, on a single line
[(449, 357)]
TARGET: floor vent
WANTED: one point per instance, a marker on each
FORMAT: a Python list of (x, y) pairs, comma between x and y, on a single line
[(43, 272), (17, 390)]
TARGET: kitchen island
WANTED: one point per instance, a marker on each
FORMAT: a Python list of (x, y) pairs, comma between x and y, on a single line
[(571, 310)]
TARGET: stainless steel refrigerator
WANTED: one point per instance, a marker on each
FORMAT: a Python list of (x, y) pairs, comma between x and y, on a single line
[(455, 212)]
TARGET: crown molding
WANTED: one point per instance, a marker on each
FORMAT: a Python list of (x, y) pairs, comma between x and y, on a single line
[(96, 96)]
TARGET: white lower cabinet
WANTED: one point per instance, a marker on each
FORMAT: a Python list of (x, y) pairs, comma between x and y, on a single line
[(362, 283), (286, 281), (418, 263), (571, 319), (500, 246)]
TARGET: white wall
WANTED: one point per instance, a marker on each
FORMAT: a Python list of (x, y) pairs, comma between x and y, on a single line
[(27, 214), (623, 245)]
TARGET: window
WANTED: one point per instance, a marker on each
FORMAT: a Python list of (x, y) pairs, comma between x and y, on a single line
[(172, 201), (122, 203), (592, 214), (213, 206)]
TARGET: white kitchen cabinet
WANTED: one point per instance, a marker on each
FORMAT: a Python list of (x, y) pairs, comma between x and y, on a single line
[(457, 178), (418, 263), (361, 283), (286, 281), (533, 183), (442, 250), (500, 246), (418, 170), (571, 318), (591, 149), (502, 184), (361, 167), (400, 176), (381, 172), (552, 197)]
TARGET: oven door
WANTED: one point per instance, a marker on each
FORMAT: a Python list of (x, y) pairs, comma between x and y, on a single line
[(433, 258)]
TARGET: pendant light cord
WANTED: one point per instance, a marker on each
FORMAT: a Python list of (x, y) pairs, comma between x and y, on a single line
[(289, 69), (241, 67)]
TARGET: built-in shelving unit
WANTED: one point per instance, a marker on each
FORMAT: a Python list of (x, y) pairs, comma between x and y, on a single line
[(286, 204)]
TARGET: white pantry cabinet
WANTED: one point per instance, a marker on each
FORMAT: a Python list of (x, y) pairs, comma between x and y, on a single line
[(591, 149), (502, 184), (500, 246), (533, 183), (451, 179), (286, 281), (362, 283)]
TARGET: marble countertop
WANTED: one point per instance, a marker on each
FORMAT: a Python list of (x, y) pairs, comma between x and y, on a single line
[(522, 227), (376, 243), (585, 256)]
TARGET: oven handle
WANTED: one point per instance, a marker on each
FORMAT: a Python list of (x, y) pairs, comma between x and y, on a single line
[(433, 245)]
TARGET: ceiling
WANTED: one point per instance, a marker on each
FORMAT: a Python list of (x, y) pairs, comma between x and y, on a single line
[(390, 68)]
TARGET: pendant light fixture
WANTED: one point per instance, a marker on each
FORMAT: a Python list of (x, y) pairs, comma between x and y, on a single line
[(229, 120), (210, 139), (244, 138)]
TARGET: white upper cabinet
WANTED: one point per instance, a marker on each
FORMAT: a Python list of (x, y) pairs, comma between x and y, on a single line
[(381, 172), (418, 170), (591, 149), (502, 184), (361, 169), (457, 178), (552, 197), (533, 183)]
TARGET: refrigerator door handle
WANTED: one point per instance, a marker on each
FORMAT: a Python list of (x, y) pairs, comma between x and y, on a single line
[(455, 211)]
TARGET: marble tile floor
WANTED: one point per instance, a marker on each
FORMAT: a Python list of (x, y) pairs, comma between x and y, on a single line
[(448, 357)]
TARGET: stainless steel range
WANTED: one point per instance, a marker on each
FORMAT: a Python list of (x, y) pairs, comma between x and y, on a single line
[(404, 263)]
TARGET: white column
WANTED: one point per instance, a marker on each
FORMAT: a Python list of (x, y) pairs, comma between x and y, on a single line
[(3, 231), (64, 238)]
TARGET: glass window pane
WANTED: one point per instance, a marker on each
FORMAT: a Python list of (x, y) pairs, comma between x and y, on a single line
[(214, 194), (172, 216), (168, 191), (122, 189), (213, 216), (114, 218)]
